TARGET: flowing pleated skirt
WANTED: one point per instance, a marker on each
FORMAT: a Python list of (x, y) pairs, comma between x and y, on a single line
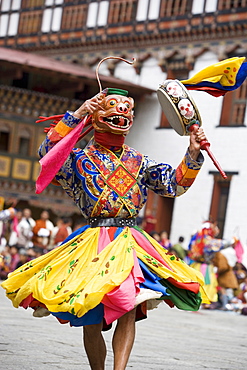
[(210, 279), (99, 274)]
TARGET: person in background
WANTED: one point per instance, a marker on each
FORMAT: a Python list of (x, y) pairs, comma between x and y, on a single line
[(31, 253), (227, 281), (25, 227), (15, 258), (5, 259), (5, 216), (15, 228), (42, 231), (203, 246), (178, 249), (60, 232), (240, 272), (164, 240), (155, 235)]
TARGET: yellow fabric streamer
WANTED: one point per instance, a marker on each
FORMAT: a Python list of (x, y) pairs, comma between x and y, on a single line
[(224, 72)]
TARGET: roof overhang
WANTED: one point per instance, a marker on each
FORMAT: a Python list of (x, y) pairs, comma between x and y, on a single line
[(34, 62)]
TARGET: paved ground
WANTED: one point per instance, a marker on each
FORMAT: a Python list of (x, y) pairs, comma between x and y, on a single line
[(169, 340)]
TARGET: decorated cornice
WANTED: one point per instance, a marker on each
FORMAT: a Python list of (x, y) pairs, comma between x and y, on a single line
[(168, 57), (31, 104), (138, 37)]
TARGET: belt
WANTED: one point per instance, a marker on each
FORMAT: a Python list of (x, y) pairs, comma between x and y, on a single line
[(111, 221)]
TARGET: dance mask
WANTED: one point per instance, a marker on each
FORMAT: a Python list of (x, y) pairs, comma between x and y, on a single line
[(115, 113)]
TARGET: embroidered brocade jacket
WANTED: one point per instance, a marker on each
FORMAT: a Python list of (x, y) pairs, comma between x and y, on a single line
[(103, 185)]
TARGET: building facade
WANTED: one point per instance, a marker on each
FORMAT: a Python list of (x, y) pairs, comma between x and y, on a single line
[(169, 39)]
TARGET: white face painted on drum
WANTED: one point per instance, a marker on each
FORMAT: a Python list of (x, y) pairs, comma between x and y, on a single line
[(186, 108), (174, 89)]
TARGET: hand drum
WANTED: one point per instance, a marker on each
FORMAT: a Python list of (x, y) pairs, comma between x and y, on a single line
[(182, 113), (178, 106)]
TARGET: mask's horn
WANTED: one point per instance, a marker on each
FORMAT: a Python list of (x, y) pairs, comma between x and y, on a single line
[(110, 57)]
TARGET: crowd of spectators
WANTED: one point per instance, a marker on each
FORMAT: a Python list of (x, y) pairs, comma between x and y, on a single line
[(22, 238)]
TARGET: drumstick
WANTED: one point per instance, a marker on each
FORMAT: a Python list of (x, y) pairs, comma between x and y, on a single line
[(205, 146)]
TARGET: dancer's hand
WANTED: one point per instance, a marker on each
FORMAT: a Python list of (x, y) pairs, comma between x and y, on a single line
[(88, 107), (196, 136)]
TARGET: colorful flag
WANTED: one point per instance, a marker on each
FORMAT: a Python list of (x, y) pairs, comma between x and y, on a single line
[(220, 77)]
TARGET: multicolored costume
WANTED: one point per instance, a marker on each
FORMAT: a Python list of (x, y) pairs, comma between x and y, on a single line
[(110, 266), (202, 249)]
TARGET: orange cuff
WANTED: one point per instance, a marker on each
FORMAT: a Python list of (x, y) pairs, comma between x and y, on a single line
[(62, 129)]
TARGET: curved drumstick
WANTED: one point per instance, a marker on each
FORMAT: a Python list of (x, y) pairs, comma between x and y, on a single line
[(205, 146)]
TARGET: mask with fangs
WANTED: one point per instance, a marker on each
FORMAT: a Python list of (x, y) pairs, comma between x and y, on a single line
[(115, 113)]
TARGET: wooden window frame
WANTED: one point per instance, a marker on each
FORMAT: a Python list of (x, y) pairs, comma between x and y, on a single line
[(30, 22), (234, 107), (74, 17), (219, 200), (231, 4), (122, 11), (27, 4), (173, 8)]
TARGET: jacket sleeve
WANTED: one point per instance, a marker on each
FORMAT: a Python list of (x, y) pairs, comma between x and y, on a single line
[(169, 182)]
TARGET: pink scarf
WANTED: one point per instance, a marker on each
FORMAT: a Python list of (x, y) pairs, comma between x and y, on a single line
[(55, 158)]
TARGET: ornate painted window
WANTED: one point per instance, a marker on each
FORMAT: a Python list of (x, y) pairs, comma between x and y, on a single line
[(30, 22), (74, 17), (174, 7), (122, 11)]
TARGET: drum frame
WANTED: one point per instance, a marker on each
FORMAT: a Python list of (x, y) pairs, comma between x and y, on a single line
[(169, 105)]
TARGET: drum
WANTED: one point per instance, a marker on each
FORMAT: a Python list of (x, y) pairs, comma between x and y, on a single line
[(178, 106)]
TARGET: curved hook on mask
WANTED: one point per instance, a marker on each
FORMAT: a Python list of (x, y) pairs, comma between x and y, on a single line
[(110, 57)]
